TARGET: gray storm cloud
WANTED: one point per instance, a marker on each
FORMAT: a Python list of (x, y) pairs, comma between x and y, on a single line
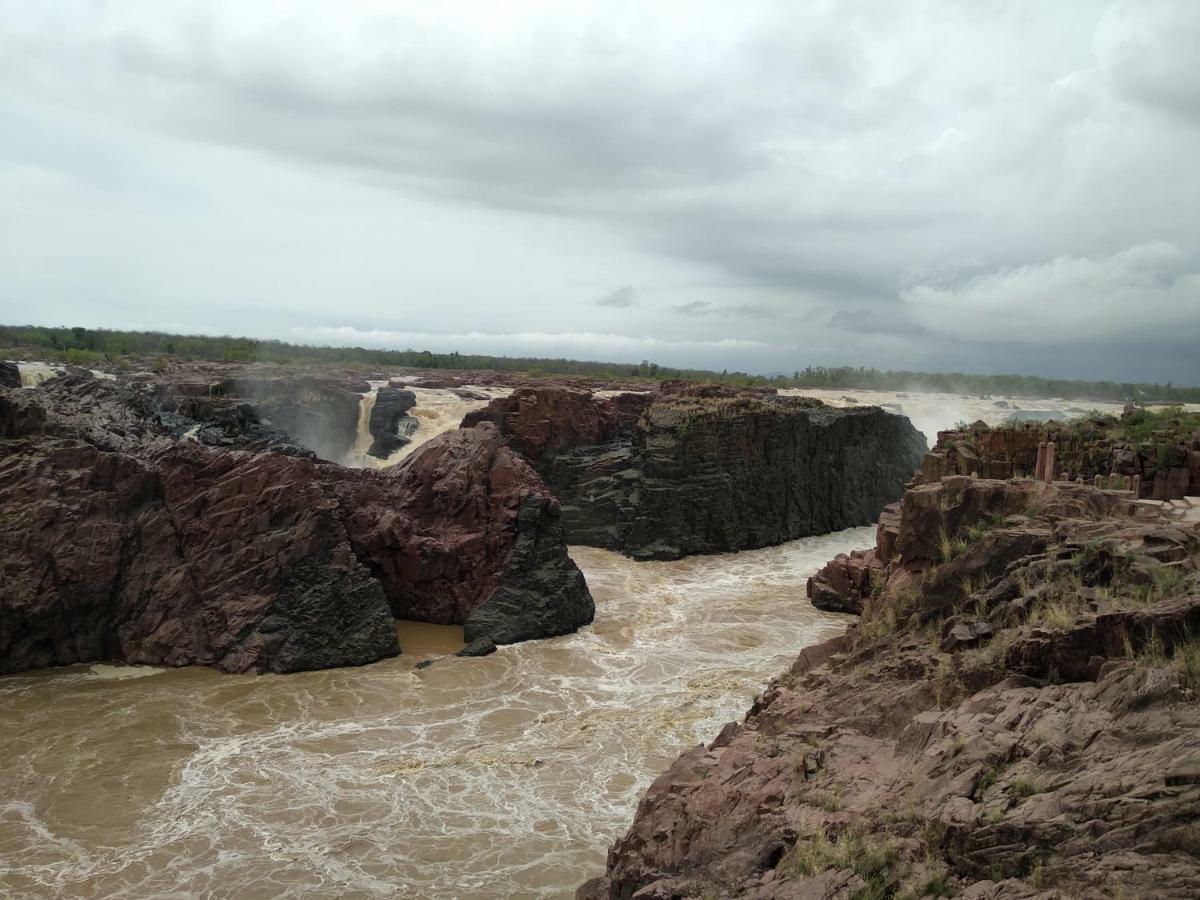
[(849, 183)]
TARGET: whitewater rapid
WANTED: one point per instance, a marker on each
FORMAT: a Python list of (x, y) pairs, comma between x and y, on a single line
[(506, 776)]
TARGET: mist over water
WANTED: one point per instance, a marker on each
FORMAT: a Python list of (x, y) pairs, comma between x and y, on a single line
[(506, 776)]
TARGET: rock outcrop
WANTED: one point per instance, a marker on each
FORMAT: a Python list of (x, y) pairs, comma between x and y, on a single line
[(390, 424), (121, 542), (1162, 450), (465, 532), (312, 412), (1015, 716), (10, 374), (705, 469)]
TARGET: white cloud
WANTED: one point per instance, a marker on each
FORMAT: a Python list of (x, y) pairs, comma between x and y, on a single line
[(784, 171), (518, 343), (1145, 291)]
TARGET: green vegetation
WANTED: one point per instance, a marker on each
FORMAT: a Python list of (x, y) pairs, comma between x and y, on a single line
[(1183, 657), (93, 347), (874, 861)]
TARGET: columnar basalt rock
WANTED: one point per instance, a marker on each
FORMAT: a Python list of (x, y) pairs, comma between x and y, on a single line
[(123, 542), (705, 469), (1166, 462)]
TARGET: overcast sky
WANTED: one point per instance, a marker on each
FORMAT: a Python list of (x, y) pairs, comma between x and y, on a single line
[(977, 186)]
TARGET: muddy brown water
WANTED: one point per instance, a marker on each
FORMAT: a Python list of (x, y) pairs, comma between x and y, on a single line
[(507, 776)]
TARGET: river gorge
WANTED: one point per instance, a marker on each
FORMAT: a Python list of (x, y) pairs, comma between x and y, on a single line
[(423, 774), (506, 776)]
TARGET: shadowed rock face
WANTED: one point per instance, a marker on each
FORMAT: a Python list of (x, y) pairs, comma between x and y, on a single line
[(10, 375), (119, 542), (1015, 716), (303, 415), (390, 424), (706, 469)]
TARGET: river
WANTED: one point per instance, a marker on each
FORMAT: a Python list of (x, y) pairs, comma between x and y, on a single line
[(506, 776)]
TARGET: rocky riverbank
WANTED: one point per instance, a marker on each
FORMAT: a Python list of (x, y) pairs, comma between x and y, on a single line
[(123, 541), (694, 469), (1015, 716)]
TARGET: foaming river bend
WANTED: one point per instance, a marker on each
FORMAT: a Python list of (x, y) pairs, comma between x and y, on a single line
[(506, 776)]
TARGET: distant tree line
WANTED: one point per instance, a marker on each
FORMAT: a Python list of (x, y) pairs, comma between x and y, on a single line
[(98, 346)]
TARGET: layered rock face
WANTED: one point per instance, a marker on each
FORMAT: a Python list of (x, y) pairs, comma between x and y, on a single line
[(1015, 716), (119, 542), (703, 469), (1166, 460)]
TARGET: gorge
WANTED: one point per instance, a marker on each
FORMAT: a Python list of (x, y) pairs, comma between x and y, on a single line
[(429, 775)]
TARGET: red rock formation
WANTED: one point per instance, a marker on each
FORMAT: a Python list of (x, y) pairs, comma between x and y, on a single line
[(539, 421), (1168, 463), (120, 543), (1016, 717), (439, 530)]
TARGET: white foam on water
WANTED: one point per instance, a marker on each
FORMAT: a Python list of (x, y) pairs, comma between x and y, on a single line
[(35, 373), (932, 412), (437, 411), (503, 776)]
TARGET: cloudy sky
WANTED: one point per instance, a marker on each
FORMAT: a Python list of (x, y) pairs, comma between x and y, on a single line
[(959, 185)]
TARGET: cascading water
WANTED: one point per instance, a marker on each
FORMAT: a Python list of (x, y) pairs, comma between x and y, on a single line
[(34, 373), (437, 411), (357, 456)]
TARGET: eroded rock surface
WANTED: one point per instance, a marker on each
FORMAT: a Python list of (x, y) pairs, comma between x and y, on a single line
[(705, 469), (1015, 716), (121, 541)]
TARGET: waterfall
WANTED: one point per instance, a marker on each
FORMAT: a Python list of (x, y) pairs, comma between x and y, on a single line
[(357, 455)]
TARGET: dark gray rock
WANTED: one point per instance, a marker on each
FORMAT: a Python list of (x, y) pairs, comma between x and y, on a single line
[(541, 592), (390, 425), (10, 375), (480, 647), (711, 473)]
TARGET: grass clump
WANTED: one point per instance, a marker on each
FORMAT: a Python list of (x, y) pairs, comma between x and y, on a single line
[(873, 860), (950, 546), (1183, 657)]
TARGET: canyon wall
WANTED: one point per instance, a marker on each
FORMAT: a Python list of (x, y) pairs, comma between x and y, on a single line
[(703, 469)]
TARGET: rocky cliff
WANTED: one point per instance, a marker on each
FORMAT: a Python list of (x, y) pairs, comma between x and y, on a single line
[(704, 469), (1015, 716), (1162, 449), (120, 542)]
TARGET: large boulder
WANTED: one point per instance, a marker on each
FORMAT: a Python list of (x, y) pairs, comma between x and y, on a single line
[(465, 532)]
